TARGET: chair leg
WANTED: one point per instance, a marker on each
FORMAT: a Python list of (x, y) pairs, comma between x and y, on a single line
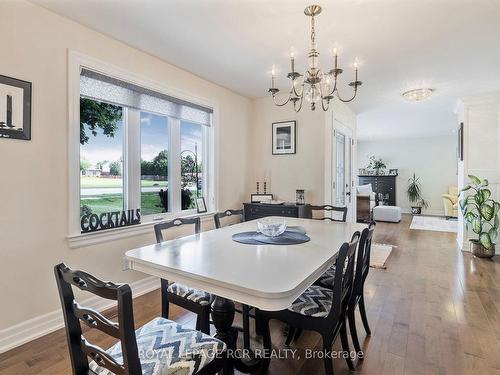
[(363, 315), (164, 299), (246, 327), (290, 335), (345, 347), (327, 360), (298, 333), (203, 321), (258, 324), (266, 341), (352, 327)]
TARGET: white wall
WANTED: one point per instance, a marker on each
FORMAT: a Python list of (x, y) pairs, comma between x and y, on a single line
[(310, 167), (34, 174), (34, 185), (433, 159)]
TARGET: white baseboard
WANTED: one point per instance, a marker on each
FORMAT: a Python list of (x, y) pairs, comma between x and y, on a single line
[(31, 329)]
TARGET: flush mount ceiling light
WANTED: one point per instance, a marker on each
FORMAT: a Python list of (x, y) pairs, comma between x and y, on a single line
[(316, 86), (417, 94)]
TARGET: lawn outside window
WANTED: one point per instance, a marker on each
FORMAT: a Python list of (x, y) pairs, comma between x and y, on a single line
[(135, 144)]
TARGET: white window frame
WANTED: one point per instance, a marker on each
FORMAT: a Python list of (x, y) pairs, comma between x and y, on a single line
[(132, 146)]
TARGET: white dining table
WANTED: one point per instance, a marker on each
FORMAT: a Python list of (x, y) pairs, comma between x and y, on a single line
[(268, 277)]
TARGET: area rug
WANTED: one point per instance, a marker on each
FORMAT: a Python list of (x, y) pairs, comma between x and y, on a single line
[(435, 223), (379, 254)]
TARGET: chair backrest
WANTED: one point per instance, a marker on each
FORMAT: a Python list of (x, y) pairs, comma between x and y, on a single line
[(344, 278), (176, 223), (363, 260), (79, 348), (328, 208), (227, 213)]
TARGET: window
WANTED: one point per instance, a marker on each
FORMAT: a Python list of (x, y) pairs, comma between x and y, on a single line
[(101, 158), (154, 163), (141, 149), (191, 163)]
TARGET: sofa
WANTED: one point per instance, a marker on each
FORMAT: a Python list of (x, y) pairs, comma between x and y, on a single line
[(450, 202), (365, 202)]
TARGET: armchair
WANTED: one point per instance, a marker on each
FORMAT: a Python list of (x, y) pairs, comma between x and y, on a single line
[(450, 202), (365, 201)]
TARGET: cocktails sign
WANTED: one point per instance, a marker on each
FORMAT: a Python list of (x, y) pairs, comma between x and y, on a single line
[(108, 220)]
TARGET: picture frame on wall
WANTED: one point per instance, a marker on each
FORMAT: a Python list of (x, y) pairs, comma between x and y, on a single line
[(284, 137), (15, 108), (460, 142), (201, 207)]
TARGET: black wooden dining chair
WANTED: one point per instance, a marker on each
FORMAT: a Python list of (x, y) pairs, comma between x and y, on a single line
[(245, 309), (321, 309), (194, 300), (147, 350), (326, 280), (228, 213), (357, 300), (342, 212)]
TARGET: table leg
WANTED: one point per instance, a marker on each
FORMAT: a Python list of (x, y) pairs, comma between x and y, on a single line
[(223, 317)]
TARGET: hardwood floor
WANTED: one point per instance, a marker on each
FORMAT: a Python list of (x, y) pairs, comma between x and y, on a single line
[(435, 310)]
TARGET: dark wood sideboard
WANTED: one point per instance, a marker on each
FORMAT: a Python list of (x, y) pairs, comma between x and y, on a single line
[(252, 211), (383, 186)]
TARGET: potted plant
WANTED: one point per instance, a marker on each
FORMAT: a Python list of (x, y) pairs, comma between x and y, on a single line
[(414, 193), (376, 164), (481, 213)]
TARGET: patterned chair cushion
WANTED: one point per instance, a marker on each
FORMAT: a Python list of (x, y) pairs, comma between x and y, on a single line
[(327, 278), (316, 301), (165, 347), (198, 296)]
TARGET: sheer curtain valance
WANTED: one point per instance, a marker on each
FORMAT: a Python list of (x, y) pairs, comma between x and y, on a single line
[(101, 87)]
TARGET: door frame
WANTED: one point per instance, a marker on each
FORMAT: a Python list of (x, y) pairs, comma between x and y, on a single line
[(349, 133)]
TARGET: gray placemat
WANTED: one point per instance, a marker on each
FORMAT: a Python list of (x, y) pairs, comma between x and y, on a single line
[(296, 229), (289, 237)]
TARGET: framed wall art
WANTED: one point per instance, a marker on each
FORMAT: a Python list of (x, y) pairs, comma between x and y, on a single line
[(15, 108), (201, 207), (284, 137)]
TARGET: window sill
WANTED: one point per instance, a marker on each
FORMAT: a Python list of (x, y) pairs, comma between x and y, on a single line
[(94, 238)]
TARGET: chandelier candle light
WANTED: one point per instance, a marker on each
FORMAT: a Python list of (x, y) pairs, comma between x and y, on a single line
[(315, 85)]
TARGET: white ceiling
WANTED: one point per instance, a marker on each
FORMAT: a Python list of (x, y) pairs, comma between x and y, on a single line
[(449, 45)]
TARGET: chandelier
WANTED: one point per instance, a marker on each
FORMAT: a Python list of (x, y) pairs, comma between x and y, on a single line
[(314, 85)]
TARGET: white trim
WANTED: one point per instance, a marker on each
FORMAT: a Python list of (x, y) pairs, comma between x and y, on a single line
[(174, 166), (333, 123), (87, 239), (75, 61), (483, 99), (74, 64), (132, 159), (42, 325)]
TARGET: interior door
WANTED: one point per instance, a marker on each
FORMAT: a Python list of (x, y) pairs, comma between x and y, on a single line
[(340, 179), (343, 183)]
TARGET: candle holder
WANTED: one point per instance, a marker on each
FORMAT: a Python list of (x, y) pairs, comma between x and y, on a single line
[(265, 187), (300, 197), (258, 189)]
